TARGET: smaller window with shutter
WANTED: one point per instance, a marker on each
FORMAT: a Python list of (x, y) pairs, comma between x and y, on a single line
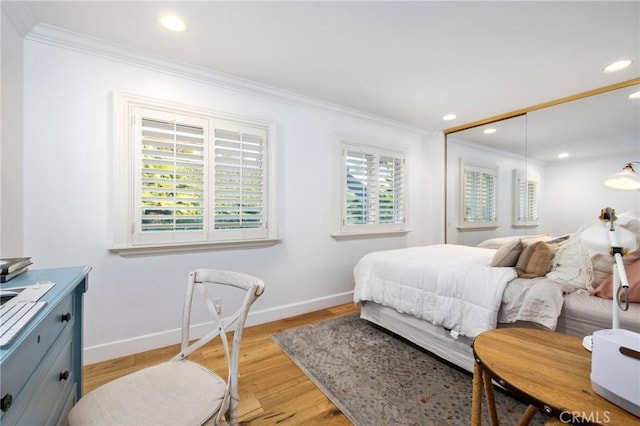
[(479, 191), (526, 190), (373, 189)]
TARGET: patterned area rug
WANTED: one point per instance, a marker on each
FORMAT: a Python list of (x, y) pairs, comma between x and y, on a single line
[(375, 378)]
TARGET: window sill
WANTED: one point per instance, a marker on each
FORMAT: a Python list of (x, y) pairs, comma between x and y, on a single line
[(150, 250), (476, 228), (363, 235)]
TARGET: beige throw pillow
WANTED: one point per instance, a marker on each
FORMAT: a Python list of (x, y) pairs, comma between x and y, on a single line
[(507, 254), (535, 260), (527, 241)]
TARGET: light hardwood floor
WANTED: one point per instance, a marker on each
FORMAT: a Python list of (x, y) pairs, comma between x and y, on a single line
[(273, 390)]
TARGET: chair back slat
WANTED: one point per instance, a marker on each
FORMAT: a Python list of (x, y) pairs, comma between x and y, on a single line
[(253, 288)]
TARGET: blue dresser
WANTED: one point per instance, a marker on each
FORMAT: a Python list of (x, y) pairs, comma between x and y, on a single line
[(41, 368)]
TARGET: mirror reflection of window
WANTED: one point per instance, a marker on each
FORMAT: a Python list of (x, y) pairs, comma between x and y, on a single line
[(526, 186), (479, 196)]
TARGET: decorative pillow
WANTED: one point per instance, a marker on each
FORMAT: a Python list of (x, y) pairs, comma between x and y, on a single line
[(630, 221), (605, 290), (571, 266), (575, 268), (535, 260), (527, 241), (496, 243), (559, 240), (507, 254)]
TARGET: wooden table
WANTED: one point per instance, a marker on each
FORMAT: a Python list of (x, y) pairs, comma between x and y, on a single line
[(550, 371)]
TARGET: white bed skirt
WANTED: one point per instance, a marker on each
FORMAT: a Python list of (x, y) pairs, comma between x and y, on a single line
[(581, 315), (434, 339)]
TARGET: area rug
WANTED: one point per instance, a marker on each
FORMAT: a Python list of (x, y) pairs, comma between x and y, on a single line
[(376, 378)]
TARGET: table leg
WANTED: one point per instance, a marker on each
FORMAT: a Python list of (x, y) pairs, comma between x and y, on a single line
[(528, 415), (476, 402), (491, 400)]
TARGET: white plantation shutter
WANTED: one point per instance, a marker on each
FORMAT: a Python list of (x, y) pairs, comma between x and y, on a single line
[(479, 196), (373, 182), (187, 178), (361, 188), (526, 187), (239, 179), (171, 181), (391, 184)]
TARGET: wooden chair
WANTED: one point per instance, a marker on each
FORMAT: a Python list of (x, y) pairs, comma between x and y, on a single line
[(179, 391)]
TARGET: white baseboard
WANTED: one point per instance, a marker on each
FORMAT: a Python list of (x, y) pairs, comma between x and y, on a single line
[(111, 350)]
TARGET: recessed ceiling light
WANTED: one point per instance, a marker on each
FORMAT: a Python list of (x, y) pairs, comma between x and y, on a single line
[(489, 131), (617, 66), (563, 155), (635, 95), (173, 23), (449, 117)]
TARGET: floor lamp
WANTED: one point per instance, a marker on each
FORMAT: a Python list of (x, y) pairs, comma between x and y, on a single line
[(615, 362), (605, 237)]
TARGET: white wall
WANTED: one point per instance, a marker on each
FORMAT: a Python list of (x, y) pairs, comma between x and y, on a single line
[(11, 243), (575, 192), (134, 304)]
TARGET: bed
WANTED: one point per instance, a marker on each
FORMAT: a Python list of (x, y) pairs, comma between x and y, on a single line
[(441, 296)]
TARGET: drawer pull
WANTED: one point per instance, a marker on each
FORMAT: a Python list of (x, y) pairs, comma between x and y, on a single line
[(66, 317), (64, 375), (6, 401)]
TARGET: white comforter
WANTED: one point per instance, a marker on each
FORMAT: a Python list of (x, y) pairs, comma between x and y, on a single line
[(445, 284)]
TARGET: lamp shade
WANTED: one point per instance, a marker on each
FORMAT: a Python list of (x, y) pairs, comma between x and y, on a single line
[(627, 179)]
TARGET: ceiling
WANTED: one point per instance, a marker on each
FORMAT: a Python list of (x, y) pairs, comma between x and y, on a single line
[(408, 61)]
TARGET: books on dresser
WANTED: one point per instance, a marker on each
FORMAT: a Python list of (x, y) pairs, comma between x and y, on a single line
[(12, 267)]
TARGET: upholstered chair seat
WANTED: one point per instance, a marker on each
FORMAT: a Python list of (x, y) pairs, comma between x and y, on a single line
[(180, 391)]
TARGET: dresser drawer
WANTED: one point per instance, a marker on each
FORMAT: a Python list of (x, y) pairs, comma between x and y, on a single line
[(44, 396), (68, 403), (21, 369)]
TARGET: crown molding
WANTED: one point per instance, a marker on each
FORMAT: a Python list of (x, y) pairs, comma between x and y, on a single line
[(58, 37), (20, 15)]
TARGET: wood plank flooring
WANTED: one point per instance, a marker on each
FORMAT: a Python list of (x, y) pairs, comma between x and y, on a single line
[(273, 390)]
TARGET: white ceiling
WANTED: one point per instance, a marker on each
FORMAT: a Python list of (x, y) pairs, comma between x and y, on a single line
[(408, 61)]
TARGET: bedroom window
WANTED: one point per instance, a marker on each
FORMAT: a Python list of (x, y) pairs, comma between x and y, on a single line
[(187, 179), (373, 190), (526, 188), (479, 196)]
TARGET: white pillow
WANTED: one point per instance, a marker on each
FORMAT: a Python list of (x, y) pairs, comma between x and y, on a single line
[(571, 266), (496, 243)]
